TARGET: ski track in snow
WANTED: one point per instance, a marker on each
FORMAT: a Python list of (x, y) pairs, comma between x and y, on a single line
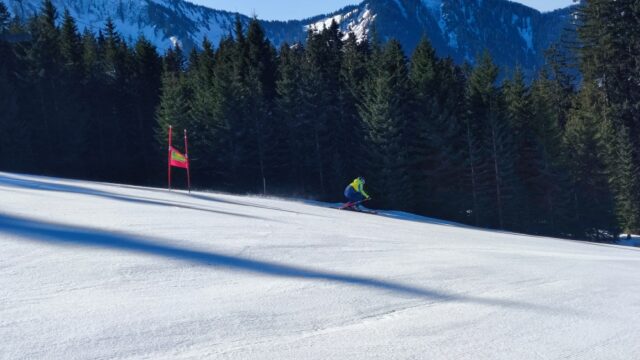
[(106, 271)]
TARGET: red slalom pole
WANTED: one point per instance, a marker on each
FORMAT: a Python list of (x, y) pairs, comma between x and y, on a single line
[(169, 158), (186, 155)]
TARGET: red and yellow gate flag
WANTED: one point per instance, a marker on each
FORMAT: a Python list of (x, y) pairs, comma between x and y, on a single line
[(177, 159)]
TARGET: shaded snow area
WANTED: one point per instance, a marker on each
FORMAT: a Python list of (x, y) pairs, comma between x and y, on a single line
[(99, 271), (632, 240)]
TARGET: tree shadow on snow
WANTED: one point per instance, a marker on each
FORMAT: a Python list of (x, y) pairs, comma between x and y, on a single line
[(209, 197), (32, 184), (58, 234)]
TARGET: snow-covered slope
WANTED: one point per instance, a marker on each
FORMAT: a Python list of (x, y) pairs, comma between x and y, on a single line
[(357, 21), (99, 271)]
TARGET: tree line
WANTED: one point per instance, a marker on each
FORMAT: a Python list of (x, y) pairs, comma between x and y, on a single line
[(553, 155)]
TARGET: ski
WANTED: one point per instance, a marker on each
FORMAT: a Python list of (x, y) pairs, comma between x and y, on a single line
[(372, 212), (351, 206)]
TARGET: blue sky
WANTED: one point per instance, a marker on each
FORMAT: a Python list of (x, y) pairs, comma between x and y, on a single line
[(298, 9)]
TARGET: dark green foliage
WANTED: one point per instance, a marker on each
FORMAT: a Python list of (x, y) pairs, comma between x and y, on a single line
[(257, 92), (289, 110), (79, 106), (423, 132), (190, 100), (593, 208), (146, 80), (491, 155), (436, 136), (429, 136), (9, 122), (353, 72), (624, 179), (610, 102), (547, 191), (387, 116)]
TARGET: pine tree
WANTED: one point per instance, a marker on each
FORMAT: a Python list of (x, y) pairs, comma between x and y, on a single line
[(451, 194), (490, 147), (625, 180), (174, 60), (386, 116), (145, 91), (259, 88), (117, 117), (436, 135), (93, 97), (519, 113), (609, 30), (622, 173), (289, 113), (8, 97), (424, 76), (320, 99), (72, 117), (339, 156), (349, 136), (70, 45), (43, 57), (200, 78), (593, 214), (226, 159), (551, 187)]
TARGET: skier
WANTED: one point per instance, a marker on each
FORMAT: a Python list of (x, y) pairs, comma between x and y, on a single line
[(355, 194)]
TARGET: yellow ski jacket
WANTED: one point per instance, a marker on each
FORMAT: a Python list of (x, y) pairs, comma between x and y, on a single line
[(358, 186)]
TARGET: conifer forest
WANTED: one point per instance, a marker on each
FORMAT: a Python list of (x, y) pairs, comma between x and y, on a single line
[(555, 154)]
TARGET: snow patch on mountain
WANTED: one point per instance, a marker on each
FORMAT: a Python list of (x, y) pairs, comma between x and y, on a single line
[(175, 41), (361, 27), (433, 5), (453, 40), (402, 8), (357, 22), (325, 23), (526, 33)]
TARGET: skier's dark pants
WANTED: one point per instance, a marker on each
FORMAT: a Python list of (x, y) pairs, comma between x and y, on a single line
[(352, 195)]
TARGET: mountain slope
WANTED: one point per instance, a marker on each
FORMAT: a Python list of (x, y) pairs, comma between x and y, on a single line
[(161, 21), (92, 270), (514, 34)]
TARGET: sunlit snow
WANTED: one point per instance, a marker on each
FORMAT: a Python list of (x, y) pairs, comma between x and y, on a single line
[(102, 271)]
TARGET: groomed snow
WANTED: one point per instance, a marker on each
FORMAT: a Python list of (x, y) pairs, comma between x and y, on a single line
[(100, 271)]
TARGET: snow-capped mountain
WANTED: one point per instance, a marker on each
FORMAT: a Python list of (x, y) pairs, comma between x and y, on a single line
[(161, 21), (513, 33)]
